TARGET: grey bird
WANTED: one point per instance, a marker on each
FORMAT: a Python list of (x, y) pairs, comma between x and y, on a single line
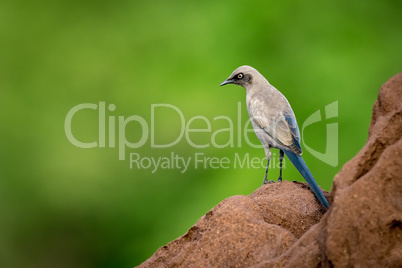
[(274, 122)]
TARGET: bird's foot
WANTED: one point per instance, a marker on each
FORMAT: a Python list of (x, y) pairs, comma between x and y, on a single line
[(267, 182)]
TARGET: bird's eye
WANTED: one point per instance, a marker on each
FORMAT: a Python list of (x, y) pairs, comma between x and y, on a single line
[(240, 76)]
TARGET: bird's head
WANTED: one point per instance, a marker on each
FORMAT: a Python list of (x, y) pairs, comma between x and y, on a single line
[(243, 76)]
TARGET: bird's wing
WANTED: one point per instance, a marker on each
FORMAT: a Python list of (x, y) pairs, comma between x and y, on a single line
[(294, 129), (280, 124)]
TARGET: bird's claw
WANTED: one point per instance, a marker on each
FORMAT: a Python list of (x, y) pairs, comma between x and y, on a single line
[(267, 182)]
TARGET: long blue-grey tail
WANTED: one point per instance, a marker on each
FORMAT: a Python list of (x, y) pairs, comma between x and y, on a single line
[(301, 166)]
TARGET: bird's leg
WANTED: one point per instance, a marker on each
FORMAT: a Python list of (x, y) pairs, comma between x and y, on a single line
[(280, 164), (268, 154), (266, 174)]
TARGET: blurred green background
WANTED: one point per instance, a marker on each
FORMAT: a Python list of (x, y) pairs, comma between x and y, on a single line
[(64, 206)]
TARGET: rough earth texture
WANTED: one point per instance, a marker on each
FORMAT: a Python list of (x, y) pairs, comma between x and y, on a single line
[(283, 225)]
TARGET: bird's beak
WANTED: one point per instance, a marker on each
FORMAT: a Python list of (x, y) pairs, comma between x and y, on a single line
[(227, 81)]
